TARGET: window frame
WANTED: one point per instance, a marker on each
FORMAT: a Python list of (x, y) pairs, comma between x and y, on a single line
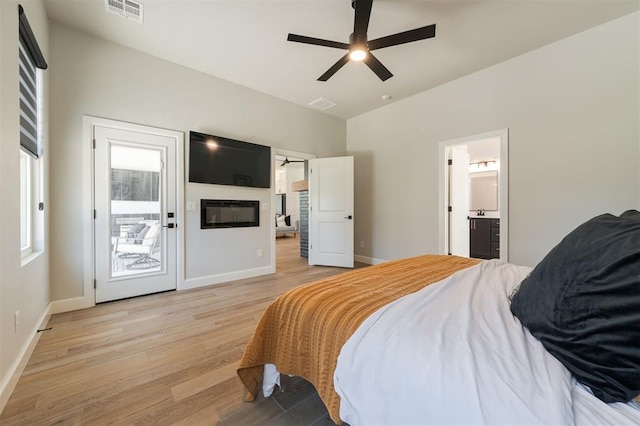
[(26, 203), (31, 62)]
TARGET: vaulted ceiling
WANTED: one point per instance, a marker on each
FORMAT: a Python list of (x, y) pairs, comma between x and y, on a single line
[(245, 42)]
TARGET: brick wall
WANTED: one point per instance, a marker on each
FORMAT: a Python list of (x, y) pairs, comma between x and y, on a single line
[(304, 224)]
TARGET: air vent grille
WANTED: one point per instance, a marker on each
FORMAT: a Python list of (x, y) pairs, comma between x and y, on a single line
[(322, 104), (126, 8)]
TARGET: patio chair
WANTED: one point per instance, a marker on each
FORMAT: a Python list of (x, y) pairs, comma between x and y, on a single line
[(140, 246)]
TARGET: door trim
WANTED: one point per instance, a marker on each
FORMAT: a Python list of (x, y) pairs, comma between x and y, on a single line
[(503, 179), (88, 195)]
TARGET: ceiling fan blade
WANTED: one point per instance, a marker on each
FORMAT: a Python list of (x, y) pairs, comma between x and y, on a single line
[(376, 66), (331, 71), (287, 161), (316, 41), (361, 21), (404, 37)]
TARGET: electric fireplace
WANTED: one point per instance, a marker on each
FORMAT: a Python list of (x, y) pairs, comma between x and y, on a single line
[(229, 213)]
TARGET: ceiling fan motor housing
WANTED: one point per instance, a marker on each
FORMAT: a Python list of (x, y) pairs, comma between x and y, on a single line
[(358, 39)]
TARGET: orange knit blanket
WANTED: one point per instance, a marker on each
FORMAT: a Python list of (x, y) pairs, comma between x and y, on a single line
[(303, 331)]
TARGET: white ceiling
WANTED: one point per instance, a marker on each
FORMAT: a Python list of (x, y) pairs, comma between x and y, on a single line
[(244, 41)]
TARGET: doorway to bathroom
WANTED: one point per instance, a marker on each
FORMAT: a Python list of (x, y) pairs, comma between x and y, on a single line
[(474, 196)]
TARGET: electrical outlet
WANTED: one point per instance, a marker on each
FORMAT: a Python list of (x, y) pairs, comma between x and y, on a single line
[(260, 254), (361, 244), (16, 321)]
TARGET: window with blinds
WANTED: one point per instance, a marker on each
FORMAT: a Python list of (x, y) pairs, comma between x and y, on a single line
[(29, 59), (28, 104)]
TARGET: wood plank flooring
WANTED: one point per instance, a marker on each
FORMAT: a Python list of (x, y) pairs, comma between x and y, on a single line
[(164, 359)]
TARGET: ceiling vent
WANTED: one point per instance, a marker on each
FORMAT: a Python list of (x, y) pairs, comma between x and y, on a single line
[(322, 104), (127, 8)]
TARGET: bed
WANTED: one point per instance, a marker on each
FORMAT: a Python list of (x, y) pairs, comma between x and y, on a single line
[(443, 339)]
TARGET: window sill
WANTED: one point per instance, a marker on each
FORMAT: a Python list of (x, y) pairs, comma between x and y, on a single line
[(28, 258)]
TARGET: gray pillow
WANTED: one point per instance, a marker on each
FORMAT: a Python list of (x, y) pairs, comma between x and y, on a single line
[(135, 230)]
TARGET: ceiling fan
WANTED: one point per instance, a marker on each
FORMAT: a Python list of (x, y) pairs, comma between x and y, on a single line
[(287, 161), (359, 47)]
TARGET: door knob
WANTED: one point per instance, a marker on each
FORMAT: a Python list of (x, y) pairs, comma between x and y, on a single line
[(170, 225), (348, 217)]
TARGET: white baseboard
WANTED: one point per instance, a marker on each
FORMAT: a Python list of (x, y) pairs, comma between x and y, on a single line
[(10, 380), (223, 278), (68, 305), (368, 260)]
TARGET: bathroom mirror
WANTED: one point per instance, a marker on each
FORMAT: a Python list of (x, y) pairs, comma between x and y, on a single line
[(484, 191)]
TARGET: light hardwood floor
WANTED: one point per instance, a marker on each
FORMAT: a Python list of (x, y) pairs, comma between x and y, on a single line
[(164, 359)]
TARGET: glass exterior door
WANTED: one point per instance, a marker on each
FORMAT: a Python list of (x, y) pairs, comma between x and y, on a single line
[(135, 200)]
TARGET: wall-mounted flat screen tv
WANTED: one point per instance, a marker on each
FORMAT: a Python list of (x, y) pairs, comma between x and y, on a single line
[(224, 161)]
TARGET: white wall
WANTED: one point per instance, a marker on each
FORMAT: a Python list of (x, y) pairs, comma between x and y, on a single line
[(23, 288), (574, 145), (94, 77)]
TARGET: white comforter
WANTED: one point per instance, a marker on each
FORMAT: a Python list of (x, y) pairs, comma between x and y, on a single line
[(453, 353)]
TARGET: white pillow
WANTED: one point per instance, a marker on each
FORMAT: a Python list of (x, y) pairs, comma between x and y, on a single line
[(280, 221)]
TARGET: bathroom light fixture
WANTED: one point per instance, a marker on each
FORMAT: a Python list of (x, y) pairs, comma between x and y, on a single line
[(482, 166), (484, 163)]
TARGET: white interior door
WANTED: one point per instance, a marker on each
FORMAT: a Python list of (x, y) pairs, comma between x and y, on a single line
[(459, 202), (331, 211), (135, 205)]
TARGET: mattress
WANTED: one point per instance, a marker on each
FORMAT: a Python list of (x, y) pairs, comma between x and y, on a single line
[(453, 353)]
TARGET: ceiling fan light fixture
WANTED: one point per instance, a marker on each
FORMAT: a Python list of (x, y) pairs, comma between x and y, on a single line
[(357, 53)]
